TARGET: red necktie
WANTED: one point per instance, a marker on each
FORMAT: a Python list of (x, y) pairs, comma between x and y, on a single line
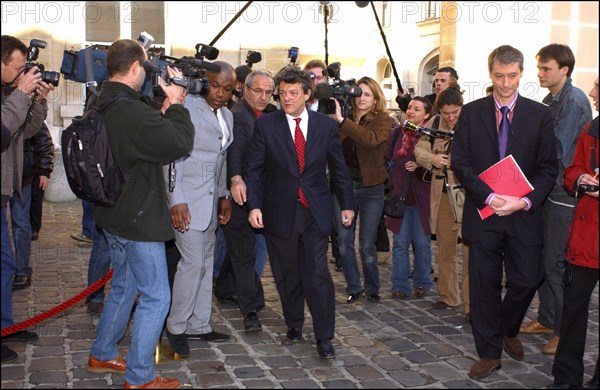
[(300, 148)]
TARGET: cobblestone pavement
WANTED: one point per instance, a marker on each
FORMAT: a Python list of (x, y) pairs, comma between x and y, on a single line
[(392, 344)]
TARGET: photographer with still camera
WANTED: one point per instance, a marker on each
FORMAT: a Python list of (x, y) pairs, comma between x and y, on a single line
[(25, 87), (363, 137), (581, 271), (142, 140)]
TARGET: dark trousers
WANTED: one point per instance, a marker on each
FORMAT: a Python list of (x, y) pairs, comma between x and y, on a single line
[(35, 212), (237, 275), (300, 270), (568, 361), (491, 316)]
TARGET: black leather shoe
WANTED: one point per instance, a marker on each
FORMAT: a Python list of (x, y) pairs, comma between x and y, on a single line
[(325, 349), (210, 336), (35, 236), (8, 355), (179, 344), (562, 386), (232, 300), (20, 282), (353, 297), (252, 323), (373, 297), (294, 334), (22, 336), (592, 383)]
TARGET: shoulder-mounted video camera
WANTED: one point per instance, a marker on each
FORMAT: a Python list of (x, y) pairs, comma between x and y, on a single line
[(33, 51), (342, 91)]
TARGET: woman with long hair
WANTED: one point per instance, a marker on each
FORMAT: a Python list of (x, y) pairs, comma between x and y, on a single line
[(363, 137)]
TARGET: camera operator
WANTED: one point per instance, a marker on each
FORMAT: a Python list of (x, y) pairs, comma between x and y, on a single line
[(318, 74), (364, 138), (142, 139), (24, 109)]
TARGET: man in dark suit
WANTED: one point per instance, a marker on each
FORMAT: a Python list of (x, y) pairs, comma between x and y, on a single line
[(289, 196), (512, 238), (238, 275)]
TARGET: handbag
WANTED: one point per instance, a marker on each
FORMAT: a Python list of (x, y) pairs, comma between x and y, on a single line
[(394, 206), (423, 174), (456, 195)]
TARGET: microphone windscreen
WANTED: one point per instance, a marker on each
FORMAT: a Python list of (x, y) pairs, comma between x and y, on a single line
[(362, 4), (254, 57), (323, 91)]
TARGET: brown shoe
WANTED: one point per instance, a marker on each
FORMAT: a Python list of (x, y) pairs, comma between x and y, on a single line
[(484, 367), (550, 348), (157, 383), (513, 347), (117, 365), (440, 305), (534, 327)]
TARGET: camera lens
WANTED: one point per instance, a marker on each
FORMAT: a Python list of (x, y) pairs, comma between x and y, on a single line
[(50, 77)]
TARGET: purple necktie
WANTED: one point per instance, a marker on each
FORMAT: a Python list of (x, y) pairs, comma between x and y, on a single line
[(503, 131)]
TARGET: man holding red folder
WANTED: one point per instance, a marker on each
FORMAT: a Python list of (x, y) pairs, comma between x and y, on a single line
[(489, 129)]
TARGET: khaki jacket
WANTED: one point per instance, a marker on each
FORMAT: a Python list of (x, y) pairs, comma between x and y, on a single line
[(423, 155)]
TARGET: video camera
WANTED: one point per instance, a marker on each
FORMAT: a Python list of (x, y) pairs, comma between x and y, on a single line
[(192, 69), (339, 89), (33, 51)]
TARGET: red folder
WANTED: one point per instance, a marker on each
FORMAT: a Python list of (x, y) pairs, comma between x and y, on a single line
[(505, 178)]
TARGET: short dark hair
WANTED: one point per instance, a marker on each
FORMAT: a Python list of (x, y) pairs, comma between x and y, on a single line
[(225, 67), (505, 55), (293, 75), (562, 54), (451, 70), (9, 45), (449, 96), (426, 104), (122, 54), (315, 64), (241, 72)]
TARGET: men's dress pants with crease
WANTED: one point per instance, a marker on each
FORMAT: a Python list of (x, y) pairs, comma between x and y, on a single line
[(191, 303)]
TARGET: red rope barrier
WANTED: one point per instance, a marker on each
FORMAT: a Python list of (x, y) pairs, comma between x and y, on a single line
[(58, 308)]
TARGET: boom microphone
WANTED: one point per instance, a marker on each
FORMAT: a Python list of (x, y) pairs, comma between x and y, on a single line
[(323, 91), (427, 131)]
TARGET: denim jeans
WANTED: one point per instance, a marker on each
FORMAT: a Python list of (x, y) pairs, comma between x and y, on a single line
[(220, 251), (369, 204), (8, 271), (21, 229), (411, 230), (138, 267), (87, 219), (260, 246), (98, 264)]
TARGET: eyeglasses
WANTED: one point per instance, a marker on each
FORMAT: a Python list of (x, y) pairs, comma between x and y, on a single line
[(259, 91), (293, 94)]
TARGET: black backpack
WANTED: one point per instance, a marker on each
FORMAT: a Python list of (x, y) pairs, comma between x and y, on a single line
[(91, 169)]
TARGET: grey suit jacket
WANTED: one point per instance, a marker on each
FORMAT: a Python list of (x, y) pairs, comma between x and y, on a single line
[(201, 177)]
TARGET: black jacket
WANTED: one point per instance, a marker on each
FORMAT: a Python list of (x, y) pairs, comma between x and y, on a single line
[(38, 157)]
